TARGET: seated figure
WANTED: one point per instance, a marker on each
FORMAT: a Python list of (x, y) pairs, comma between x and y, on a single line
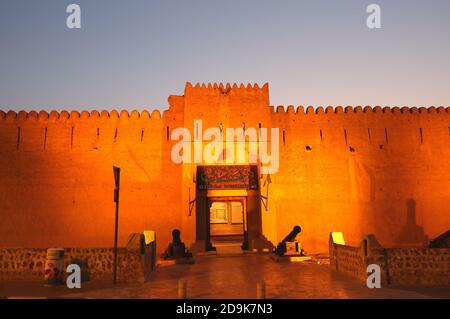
[(176, 248)]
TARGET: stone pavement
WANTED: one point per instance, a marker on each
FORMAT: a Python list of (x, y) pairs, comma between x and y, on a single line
[(230, 277)]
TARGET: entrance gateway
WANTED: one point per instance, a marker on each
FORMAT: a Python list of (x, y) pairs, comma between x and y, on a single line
[(228, 207)]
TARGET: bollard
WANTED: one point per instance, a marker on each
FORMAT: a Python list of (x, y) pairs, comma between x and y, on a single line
[(54, 266), (261, 289), (182, 289)]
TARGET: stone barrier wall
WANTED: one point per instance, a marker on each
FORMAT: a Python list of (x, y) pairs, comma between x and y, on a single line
[(399, 266), (426, 266), (133, 265), (22, 263), (349, 260)]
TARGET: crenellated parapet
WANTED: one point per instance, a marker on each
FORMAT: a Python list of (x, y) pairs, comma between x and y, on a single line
[(64, 115), (225, 89), (81, 130), (231, 105), (279, 112), (280, 109)]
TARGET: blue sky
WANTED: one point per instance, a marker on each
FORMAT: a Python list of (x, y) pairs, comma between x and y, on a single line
[(134, 54)]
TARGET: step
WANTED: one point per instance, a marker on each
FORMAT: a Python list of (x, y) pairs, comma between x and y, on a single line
[(228, 249)]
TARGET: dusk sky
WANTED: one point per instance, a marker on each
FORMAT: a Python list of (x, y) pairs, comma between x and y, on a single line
[(134, 54)]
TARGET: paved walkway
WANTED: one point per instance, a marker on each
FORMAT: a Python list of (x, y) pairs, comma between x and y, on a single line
[(230, 277)]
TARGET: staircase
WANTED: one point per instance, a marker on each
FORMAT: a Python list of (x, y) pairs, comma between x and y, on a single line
[(228, 248)]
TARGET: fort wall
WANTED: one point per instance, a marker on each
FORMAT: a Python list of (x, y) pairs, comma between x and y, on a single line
[(56, 181), (352, 169), (372, 170)]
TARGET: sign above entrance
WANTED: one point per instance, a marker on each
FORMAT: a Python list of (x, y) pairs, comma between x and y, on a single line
[(227, 177), (227, 193)]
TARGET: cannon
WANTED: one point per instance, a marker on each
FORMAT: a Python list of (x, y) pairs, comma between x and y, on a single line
[(289, 243), (442, 241), (176, 249)]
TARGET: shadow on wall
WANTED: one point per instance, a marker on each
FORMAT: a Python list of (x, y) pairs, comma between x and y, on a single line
[(412, 234)]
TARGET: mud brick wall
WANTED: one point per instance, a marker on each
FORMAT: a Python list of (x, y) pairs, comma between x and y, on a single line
[(29, 263), (425, 267)]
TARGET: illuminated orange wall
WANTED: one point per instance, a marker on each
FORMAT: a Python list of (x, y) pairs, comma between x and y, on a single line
[(54, 192), (56, 188)]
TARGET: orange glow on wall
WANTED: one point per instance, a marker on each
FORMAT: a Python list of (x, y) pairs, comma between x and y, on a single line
[(353, 169)]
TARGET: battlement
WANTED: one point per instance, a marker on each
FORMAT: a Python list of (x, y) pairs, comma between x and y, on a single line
[(156, 114), (225, 89), (291, 109), (76, 115)]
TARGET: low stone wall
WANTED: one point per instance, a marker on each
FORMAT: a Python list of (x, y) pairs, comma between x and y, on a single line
[(427, 266), (22, 263), (349, 260), (134, 264), (399, 266)]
